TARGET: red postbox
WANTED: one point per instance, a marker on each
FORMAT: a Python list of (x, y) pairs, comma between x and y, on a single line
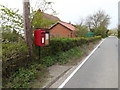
[(39, 37)]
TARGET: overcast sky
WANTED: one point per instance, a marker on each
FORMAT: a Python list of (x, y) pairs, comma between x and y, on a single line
[(73, 10), (119, 13)]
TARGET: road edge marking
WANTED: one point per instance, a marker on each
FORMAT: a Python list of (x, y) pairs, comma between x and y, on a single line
[(80, 65)]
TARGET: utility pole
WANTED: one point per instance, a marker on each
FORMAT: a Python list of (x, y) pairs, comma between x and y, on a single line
[(27, 26)]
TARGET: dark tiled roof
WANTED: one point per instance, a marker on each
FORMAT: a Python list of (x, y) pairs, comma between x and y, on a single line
[(48, 16)]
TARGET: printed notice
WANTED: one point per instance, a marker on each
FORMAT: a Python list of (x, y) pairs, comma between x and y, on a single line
[(47, 36), (42, 39)]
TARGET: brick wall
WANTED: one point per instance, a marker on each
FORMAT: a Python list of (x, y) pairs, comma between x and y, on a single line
[(61, 31)]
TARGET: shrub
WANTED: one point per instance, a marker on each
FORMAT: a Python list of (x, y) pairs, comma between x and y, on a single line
[(64, 44), (22, 78), (14, 55), (48, 61), (58, 45)]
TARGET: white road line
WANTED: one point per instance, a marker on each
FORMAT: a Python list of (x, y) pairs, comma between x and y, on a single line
[(63, 84)]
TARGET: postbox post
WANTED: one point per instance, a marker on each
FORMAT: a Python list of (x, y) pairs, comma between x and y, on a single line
[(39, 51)]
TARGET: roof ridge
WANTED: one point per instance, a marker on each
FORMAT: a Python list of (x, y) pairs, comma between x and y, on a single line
[(51, 15), (68, 25)]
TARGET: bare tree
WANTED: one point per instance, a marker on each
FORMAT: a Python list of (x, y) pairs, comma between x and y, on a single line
[(99, 19), (98, 23), (44, 5)]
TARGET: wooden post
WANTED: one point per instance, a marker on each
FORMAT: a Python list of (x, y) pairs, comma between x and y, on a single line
[(27, 26)]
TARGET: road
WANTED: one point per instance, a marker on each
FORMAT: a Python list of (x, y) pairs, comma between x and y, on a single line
[(100, 70)]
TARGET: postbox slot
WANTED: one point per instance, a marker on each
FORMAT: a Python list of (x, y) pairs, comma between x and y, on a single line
[(42, 32)]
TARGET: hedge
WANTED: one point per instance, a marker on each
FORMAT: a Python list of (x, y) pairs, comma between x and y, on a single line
[(64, 44), (15, 54)]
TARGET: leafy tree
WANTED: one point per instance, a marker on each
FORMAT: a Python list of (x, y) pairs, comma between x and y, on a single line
[(10, 20), (101, 31), (98, 22), (15, 49), (113, 31), (39, 21), (11, 25), (82, 30), (37, 17)]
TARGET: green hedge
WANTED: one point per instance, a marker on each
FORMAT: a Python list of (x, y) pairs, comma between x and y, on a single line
[(14, 55), (63, 44)]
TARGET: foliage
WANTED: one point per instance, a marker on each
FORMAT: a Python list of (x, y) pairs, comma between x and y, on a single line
[(22, 78), (11, 37), (101, 31), (48, 60), (119, 31), (118, 34), (15, 51), (64, 57), (67, 48), (39, 21), (113, 32), (37, 17), (64, 44), (98, 23), (13, 56), (82, 30), (10, 20)]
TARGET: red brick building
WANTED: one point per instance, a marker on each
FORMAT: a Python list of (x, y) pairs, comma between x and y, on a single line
[(62, 29)]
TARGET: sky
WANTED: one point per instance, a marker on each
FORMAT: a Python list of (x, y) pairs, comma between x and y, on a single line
[(75, 10), (119, 13)]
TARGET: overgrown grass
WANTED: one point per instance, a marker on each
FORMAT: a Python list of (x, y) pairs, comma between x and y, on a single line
[(62, 57)]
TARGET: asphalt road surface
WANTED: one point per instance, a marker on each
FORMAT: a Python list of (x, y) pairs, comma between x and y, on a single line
[(100, 70)]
